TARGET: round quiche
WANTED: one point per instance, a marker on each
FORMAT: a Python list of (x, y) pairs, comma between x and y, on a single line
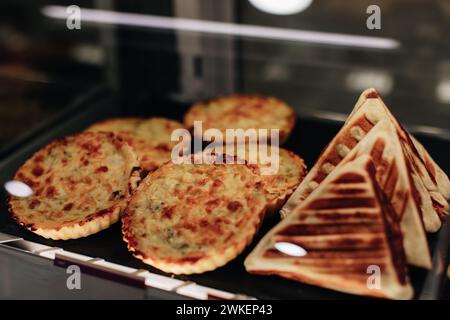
[(243, 112), (150, 138), (281, 170), (192, 218), (282, 184), (80, 186)]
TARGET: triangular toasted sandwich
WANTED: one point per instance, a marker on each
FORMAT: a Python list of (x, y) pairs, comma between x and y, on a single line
[(345, 236), (403, 188), (368, 111), (433, 176)]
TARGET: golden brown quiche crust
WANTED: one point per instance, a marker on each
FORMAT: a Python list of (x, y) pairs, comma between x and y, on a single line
[(150, 138), (244, 112), (192, 218), (279, 187), (80, 184), (282, 183)]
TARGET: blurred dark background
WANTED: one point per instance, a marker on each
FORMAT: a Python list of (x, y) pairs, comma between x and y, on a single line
[(184, 50)]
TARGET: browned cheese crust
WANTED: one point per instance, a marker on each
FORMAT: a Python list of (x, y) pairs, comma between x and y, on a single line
[(80, 186), (150, 138), (192, 218), (280, 184), (243, 112)]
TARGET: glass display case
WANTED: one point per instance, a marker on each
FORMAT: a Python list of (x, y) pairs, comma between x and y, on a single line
[(59, 75)]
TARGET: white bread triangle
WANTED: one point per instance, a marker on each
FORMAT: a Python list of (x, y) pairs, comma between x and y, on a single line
[(368, 111), (403, 188), (341, 242)]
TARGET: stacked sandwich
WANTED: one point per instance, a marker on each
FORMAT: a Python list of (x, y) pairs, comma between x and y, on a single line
[(367, 203)]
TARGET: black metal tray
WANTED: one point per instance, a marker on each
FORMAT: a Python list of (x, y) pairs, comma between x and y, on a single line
[(307, 140)]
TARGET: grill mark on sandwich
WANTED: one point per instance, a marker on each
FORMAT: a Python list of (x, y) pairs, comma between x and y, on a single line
[(372, 95), (329, 228), (358, 272), (322, 257), (319, 265), (405, 199), (363, 123), (350, 178), (391, 222), (407, 140), (347, 191), (336, 216), (392, 177), (345, 138), (340, 203), (377, 151), (336, 243)]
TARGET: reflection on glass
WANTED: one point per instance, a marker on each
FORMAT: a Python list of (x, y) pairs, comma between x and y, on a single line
[(281, 7), (290, 249), (443, 91), (18, 189), (359, 80)]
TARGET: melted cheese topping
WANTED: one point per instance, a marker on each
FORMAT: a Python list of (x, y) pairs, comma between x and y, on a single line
[(194, 217), (74, 180), (150, 138), (291, 172), (245, 112), (278, 186)]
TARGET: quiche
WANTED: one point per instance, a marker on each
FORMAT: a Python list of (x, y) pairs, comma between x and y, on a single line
[(80, 186), (150, 138), (281, 185), (191, 218), (281, 170), (243, 112)]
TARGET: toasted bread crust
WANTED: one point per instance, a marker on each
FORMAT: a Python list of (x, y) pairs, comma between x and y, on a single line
[(150, 138), (243, 112), (80, 185), (191, 218), (368, 111), (346, 226)]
